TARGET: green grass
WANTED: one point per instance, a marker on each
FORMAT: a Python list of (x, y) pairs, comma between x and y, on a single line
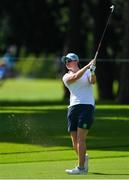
[(33, 90), (34, 142)]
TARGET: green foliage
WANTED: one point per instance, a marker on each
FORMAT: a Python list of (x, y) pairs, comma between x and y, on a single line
[(37, 67), (58, 26)]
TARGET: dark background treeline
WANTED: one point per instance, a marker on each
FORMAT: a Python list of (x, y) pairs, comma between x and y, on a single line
[(56, 27)]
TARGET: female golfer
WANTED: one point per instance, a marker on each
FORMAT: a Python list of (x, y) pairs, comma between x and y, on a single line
[(80, 111)]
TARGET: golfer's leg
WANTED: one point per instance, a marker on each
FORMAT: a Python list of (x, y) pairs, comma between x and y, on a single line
[(74, 140), (81, 146)]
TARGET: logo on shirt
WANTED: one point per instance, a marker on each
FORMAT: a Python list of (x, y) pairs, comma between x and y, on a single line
[(84, 126)]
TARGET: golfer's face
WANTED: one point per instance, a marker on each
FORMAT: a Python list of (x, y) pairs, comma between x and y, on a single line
[(72, 64)]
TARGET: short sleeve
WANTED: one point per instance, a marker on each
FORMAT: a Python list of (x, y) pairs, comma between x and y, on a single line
[(65, 78)]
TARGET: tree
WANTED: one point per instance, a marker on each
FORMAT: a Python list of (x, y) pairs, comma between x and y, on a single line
[(105, 68), (123, 96), (33, 24), (75, 36)]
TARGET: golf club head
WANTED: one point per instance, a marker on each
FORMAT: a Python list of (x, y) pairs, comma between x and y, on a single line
[(112, 8)]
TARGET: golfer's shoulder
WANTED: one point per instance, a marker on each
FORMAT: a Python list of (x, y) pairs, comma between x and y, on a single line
[(65, 76)]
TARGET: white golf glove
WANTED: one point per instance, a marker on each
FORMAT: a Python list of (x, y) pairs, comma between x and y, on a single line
[(92, 68)]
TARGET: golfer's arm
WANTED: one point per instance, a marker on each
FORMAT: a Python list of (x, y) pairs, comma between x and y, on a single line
[(73, 77)]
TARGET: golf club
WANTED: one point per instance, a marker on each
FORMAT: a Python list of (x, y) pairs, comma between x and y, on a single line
[(96, 54)]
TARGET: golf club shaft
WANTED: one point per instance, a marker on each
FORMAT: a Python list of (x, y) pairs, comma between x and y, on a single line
[(96, 54)]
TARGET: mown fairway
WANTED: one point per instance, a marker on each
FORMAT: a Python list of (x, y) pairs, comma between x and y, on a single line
[(34, 142)]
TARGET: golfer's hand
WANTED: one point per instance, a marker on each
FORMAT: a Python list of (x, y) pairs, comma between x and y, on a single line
[(92, 62), (92, 68)]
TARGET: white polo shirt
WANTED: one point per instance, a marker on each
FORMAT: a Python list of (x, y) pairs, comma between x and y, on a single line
[(81, 91)]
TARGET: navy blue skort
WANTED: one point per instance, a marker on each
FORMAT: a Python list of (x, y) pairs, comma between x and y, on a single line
[(80, 116)]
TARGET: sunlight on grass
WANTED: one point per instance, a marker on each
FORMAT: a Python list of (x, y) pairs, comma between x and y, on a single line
[(38, 89), (34, 89), (110, 106), (30, 109), (31, 89)]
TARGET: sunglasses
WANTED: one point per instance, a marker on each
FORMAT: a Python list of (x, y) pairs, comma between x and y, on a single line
[(68, 60)]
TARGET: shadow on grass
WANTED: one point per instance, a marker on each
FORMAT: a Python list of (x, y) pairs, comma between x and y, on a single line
[(32, 103), (109, 174), (46, 102), (48, 127)]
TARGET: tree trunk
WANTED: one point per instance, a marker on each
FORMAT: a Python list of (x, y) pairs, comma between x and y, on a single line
[(123, 96), (75, 40), (105, 68)]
